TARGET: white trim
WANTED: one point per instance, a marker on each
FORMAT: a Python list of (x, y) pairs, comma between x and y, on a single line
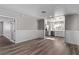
[(7, 16), (72, 30)]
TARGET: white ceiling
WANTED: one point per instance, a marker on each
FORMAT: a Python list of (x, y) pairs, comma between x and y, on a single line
[(51, 9)]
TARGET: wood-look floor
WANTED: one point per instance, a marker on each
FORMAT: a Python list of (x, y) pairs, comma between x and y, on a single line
[(4, 41), (40, 47)]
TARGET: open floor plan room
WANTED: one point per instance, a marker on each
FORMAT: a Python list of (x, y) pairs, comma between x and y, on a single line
[(39, 29)]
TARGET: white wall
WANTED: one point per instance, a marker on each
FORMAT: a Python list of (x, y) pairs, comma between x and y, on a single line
[(1, 28), (25, 26), (27, 29), (24, 35), (72, 29), (72, 37)]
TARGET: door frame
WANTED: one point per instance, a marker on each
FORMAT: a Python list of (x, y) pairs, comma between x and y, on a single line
[(12, 23)]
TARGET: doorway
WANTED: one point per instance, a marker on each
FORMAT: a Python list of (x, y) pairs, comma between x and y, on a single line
[(55, 27), (7, 31)]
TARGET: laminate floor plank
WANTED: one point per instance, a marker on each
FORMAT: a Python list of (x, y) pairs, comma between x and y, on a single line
[(54, 46)]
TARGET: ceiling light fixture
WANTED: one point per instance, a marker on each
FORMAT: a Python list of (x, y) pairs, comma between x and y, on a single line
[(51, 16), (43, 11)]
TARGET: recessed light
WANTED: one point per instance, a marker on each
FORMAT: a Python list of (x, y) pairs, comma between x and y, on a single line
[(43, 11), (50, 16)]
